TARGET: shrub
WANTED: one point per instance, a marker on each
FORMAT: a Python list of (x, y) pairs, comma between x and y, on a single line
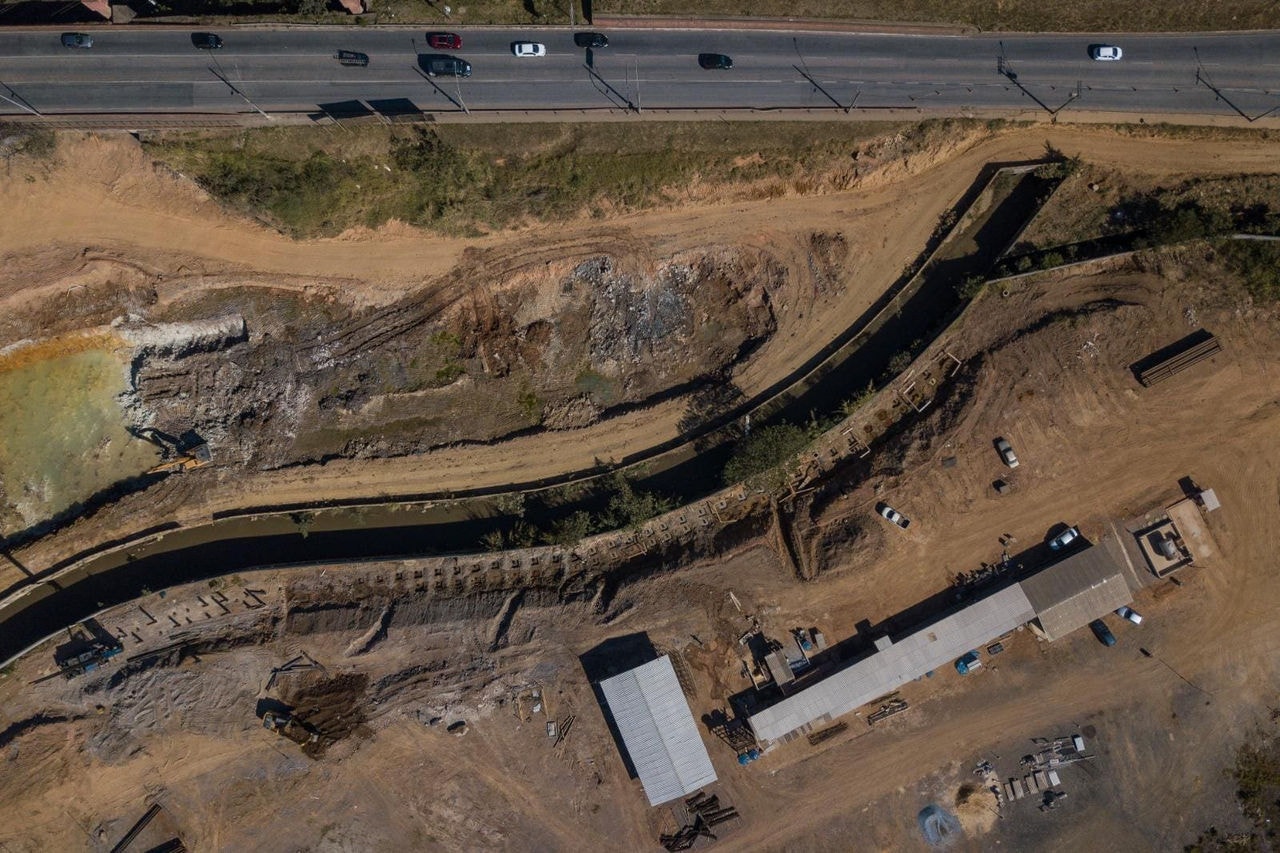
[(1257, 264), (766, 451)]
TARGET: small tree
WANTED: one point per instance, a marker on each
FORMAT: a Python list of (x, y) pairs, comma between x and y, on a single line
[(764, 455), (570, 530)]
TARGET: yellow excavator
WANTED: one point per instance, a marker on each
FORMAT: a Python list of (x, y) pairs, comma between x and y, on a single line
[(183, 456), (195, 457)]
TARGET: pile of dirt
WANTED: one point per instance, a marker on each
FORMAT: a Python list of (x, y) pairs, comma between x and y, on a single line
[(333, 708)]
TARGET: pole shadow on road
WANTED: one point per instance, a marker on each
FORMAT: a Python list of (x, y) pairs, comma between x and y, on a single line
[(606, 88)]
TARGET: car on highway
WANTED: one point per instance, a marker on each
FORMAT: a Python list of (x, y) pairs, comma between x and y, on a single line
[(206, 41), (1102, 632), (444, 41), (1130, 615), (525, 49), (1005, 449), (83, 40), (1105, 52), (1064, 539), (446, 66), (893, 515), (596, 40), (715, 61)]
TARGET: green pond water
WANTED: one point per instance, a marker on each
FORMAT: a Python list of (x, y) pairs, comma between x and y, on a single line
[(62, 435)]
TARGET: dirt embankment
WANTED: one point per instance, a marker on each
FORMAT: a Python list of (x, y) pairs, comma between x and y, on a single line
[(396, 342)]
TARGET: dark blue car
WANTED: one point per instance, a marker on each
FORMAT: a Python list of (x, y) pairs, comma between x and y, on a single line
[(1102, 632)]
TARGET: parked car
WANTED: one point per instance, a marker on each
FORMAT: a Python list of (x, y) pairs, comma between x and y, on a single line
[(1105, 52), (447, 66), (596, 40), (1130, 614), (1005, 449), (715, 61), (444, 41), (77, 40), (1102, 632), (1064, 539), (893, 515), (206, 41), (528, 48)]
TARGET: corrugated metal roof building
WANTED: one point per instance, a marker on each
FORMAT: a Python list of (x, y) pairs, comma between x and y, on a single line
[(658, 731), (928, 648), (1073, 592)]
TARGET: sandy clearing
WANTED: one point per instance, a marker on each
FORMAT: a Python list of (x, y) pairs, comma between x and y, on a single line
[(109, 196)]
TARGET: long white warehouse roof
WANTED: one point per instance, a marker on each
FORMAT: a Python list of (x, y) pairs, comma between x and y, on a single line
[(658, 730), (929, 648)]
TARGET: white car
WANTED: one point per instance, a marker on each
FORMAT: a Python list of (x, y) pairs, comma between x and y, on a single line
[(1105, 52), (1130, 614), (893, 515), (528, 48)]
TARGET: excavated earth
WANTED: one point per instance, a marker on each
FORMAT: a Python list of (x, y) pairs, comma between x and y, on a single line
[(435, 678)]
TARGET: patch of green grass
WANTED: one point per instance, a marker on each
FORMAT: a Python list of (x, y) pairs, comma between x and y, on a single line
[(28, 140), (530, 405), (468, 179), (1257, 264), (1050, 16)]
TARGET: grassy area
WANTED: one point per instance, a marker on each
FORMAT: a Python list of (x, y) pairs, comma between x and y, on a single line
[(1095, 202), (468, 179), (1018, 15)]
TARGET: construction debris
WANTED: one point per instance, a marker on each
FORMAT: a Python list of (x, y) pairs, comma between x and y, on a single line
[(829, 732), (565, 725), (300, 663), (888, 709), (703, 812)]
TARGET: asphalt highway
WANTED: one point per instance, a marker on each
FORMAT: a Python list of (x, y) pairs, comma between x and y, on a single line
[(148, 70)]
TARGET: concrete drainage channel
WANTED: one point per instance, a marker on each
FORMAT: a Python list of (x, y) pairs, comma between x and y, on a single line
[(920, 307)]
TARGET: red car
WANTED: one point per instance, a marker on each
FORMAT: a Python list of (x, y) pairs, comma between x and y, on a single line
[(444, 41)]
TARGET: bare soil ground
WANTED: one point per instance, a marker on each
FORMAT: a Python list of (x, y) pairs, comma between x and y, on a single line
[(411, 649), (1047, 366), (389, 342)]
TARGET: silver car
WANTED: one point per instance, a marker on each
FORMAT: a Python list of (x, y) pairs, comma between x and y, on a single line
[(1006, 452), (1064, 539)]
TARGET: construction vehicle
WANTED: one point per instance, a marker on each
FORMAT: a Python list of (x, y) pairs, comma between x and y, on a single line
[(180, 454), (196, 457), (89, 648), (286, 725)]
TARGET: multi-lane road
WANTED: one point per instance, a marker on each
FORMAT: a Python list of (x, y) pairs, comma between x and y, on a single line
[(142, 70)]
